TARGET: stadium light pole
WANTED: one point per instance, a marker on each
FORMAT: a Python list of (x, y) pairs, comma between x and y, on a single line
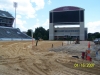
[(15, 6)]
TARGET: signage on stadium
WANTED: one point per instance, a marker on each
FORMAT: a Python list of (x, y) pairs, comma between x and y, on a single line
[(66, 8)]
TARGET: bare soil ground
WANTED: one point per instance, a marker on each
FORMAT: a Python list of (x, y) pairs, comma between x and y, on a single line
[(19, 58)]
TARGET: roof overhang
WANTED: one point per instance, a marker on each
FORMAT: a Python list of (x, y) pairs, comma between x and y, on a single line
[(67, 8)]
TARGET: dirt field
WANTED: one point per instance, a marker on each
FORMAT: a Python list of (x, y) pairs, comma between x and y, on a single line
[(19, 58)]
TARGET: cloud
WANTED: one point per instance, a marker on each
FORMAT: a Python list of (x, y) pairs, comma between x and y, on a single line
[(46, 24), (39, 4), (38, 24), (49, 2), (18, 16), (35, 25), (25, 10), (20, 23), (24, 6), (93, 26)]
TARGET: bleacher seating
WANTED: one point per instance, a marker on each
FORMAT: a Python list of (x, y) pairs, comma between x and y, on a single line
[(12, 33)]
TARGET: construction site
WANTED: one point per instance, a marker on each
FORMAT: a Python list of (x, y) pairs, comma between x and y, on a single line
[(21, 58), (21, 54)]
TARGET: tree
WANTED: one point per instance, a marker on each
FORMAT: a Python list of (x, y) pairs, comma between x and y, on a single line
[(28, 32), (92, 36), (45, 37), (39, 35), (40, 32)]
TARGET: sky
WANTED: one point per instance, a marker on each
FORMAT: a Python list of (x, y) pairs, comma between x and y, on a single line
[(31, 14)]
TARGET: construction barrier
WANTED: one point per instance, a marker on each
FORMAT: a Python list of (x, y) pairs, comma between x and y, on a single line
[(86, 55)]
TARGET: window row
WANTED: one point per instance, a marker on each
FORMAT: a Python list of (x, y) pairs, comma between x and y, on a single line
[(5, 20), (66, 30)]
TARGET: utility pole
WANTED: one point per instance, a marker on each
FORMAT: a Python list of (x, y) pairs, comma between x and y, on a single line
[(15, 6)]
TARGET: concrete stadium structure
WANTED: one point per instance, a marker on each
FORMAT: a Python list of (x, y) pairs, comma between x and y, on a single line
[(7, 32), (72, 32), (6, 19), (67, 15)]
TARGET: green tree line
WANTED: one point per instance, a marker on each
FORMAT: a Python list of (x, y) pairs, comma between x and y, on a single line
[(39, 32), (92, 36)]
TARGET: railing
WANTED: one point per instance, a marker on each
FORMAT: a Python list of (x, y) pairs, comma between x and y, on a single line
[(15, 39)]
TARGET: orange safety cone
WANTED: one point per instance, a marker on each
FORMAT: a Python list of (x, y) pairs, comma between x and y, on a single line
[(88, 57), (89, 46), (87, 51)]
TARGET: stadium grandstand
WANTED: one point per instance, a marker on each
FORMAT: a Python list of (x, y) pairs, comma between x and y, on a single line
[(7, 32)]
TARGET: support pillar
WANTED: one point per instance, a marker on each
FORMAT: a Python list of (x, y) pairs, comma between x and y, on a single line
[(82, 35), (51, 31)]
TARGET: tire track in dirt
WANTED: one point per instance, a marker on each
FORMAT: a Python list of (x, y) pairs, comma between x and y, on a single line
[(56, 68), (32, 70), (93, 71), (74, 71), (10, 60), (41, 70)]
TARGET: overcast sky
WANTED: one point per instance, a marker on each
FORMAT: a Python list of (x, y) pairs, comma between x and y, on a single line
[(35, 13)]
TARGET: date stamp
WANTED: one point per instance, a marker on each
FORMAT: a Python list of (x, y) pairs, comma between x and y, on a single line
[(84, 65)]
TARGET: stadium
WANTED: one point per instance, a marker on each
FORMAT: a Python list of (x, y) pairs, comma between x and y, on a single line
[(7, 32)]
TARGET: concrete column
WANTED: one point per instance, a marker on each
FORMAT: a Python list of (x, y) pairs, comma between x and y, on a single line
[(82, 36), (51, 31)]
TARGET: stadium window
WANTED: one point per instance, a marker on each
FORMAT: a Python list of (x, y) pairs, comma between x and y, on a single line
[(71, 30), (8, 32), (0, 20), (74, 30), (77, 30), (55, 30), (4, 15), (18, 32), (62, 31), (68, 30)]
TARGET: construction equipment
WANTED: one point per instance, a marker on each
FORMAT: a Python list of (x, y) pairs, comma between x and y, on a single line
[(77, 41)]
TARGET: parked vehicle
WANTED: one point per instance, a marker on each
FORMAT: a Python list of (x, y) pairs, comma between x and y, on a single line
[(97, 41)]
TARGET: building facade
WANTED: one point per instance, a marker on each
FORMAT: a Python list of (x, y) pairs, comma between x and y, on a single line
[(6, 19), (67, 15), (72, 32)]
